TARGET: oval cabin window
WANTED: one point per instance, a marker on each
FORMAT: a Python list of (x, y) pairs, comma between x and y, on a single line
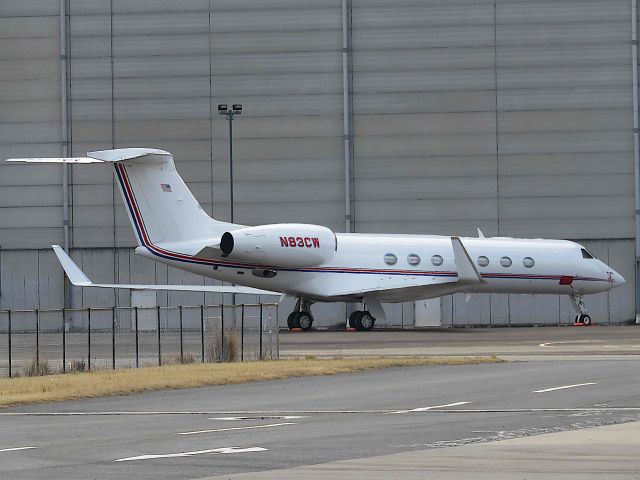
[(505, 262), (483, 261), (528, 262), (390, 259), (413, 259), (437, 260)]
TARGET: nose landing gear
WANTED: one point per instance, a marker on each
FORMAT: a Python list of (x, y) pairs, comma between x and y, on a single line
[(582, 317)]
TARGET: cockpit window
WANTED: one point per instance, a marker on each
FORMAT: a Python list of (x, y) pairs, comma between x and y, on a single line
[(586, 254)]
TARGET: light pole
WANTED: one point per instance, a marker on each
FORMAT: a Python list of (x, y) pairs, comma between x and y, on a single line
[(236, 109)]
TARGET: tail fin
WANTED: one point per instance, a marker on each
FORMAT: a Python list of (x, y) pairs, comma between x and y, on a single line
[(160, 206)]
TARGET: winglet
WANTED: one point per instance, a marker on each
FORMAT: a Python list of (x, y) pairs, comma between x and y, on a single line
[(467, 271), (480, 234), (76, 276)]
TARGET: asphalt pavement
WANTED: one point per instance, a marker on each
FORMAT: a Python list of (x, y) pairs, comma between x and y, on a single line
[(518, 343), (553, 419)]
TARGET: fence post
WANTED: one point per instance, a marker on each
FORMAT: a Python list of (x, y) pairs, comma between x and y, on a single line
[(113, 338), (89, 339), (9, 319), (64, 340), (241, 332), (159, 348), (135, 309), (181, 344), (260, 357), (277, 331), (222, 339), (37, 337), (202, 332)]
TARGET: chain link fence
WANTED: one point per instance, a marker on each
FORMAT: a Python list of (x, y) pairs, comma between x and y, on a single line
[(51, 341)]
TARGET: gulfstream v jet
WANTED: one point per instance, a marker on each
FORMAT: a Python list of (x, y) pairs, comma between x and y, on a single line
[(314, 264)]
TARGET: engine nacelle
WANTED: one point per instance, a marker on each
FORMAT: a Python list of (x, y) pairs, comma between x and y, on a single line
[(281, 245)]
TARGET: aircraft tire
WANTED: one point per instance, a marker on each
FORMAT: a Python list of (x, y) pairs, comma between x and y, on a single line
[(292, 320), (585, 319), (353, 318), (304, 320), (364, 322)]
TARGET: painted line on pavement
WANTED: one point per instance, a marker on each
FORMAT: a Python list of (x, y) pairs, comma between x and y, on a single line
[(235, 428), (214, 451), (550, 344), (564, 387), (433, 407), (15, 449), (260, 417)]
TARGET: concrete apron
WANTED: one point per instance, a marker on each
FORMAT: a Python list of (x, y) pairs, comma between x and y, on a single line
[(609, 452)]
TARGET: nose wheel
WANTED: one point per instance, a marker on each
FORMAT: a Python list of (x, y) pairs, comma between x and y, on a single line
[(582, 318)]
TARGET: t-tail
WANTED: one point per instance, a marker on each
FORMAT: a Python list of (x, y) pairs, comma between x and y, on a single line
[(160, 206)]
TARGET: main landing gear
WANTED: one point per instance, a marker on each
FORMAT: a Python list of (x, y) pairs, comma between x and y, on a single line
[(361, 320), (578, 304), (301, 317)]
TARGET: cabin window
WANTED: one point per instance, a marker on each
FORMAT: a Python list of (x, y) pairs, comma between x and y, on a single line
[(505, 262), (483, 261), (437, 260), (413, 259), (390, 259), (528, 262), (586, 254)]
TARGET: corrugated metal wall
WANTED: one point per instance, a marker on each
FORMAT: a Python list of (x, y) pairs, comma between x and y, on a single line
[(514, 116), (30, 123)]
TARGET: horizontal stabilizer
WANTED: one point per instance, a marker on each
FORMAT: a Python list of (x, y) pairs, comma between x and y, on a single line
[(101, 156), (55, 160), (78, 278)]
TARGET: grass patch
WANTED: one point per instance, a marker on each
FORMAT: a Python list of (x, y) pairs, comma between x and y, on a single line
[(37, 369), (24, 390)]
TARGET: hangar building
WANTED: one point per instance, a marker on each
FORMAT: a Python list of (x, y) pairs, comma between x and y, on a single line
[(515, 116)]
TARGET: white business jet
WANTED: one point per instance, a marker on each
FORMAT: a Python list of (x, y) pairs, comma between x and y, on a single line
[(314, 264)]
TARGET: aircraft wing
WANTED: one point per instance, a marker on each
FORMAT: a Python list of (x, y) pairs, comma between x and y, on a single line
[(432, 289), (425, 287), (77, 277)]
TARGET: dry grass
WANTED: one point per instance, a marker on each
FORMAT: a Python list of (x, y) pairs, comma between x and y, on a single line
[(121, 382)]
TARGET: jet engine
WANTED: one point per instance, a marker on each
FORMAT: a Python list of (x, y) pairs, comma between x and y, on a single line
[(281, 245)]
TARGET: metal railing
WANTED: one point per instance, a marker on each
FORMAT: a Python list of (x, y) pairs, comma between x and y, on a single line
[(63, 340)]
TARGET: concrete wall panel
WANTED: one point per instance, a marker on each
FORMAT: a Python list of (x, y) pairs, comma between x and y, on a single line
[(19, 277), (50, 280), (621, 300), (499, 305), (472, 311)]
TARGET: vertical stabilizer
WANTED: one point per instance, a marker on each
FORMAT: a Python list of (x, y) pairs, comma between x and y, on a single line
[(159, 204)]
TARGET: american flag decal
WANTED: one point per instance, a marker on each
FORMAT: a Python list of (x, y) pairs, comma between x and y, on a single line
[(165, 187)]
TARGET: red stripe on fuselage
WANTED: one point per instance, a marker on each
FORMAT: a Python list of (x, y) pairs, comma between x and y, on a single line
[(179, 256)]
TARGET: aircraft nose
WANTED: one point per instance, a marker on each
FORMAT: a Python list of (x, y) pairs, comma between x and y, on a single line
[(617, 279)]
